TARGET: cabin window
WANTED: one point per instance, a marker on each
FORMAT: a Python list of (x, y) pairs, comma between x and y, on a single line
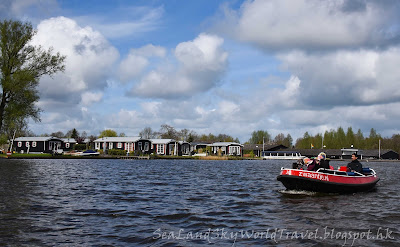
[(160, 148), (119, 145), (146, 146), (111, 145), (33, 144), (19, 144), (27, 144), (140, 146), (67, 145), (97, 145), (234, 150)]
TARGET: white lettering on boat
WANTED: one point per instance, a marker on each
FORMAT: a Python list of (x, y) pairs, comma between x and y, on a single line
[(314, 175)]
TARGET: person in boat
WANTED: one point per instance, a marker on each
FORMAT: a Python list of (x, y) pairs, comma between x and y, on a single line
[(322, 162), (298, 165), (354, 165), (312, 164)]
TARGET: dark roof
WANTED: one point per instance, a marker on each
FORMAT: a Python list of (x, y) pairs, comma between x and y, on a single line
[(314, 152), (267, 147), (199, 143), (375, 152), (338, 152)]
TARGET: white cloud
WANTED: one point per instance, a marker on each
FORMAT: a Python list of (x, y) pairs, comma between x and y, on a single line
[(201, 63), (89, 98), (89, 58), (137, 60), (228, 109), (308, 24), (346, 77)]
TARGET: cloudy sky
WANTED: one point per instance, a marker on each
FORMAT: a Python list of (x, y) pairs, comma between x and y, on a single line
[(218, 67)]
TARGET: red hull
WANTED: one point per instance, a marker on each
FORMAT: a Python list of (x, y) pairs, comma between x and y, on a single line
[(327, 181)]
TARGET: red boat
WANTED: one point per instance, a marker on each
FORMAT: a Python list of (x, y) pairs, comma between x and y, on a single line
[(328, 181)]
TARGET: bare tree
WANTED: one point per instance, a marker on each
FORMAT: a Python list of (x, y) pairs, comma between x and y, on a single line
[(147, 133), (168, 132)]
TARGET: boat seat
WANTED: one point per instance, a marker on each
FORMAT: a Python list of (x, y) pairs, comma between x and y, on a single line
[(327, 171), (366, 171), (352, 174)]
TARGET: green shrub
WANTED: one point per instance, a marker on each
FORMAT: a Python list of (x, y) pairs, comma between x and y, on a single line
[(80, 147), (116, 152)]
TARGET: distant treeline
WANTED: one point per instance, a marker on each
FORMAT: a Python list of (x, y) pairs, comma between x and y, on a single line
[(337, 139), (333, 139)]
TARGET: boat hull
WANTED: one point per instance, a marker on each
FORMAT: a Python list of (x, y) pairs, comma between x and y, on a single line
[(294, 179)]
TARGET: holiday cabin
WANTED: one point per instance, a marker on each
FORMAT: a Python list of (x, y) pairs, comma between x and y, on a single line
[(227, 148), (130, 144), (184, 148), (164, 146), (37, 144), (68, 143)]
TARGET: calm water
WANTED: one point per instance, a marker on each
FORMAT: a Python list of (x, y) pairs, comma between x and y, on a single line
[(186, 203)]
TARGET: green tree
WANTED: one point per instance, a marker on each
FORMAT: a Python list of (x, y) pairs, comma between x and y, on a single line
[(74, 134), (350, 137), (108, 133), (329, 139), (359, 139), (341, 139), (288, 141), (279, 138), (372, 141), (317, 141), (192, 137), (304, 142), (21, 66), (260, 137)]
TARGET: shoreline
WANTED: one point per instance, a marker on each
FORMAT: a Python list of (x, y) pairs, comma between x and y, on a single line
[(41, 156)]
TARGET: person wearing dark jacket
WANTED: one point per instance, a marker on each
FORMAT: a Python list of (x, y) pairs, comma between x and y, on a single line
[(323, 163), (354, 165)]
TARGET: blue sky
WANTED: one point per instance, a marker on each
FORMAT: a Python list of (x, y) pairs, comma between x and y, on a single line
[(227, 67)]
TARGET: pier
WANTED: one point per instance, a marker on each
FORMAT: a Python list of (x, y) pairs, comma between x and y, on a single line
[(147, 157)]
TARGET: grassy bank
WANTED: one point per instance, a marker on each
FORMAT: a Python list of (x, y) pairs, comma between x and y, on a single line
[(49, 156)]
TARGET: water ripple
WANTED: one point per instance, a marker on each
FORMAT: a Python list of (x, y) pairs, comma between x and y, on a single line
[(185, 203)]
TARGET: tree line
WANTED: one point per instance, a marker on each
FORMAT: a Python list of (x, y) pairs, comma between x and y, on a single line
[(165, 132), (339, 138), (332, 139)]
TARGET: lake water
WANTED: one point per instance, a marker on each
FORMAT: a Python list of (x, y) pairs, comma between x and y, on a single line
[(186, 203)]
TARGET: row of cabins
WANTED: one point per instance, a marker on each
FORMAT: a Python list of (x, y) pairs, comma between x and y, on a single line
[(171, 147), (136, 145)]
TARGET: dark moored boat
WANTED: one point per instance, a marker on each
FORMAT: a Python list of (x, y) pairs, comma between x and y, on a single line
[(328, 181)]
